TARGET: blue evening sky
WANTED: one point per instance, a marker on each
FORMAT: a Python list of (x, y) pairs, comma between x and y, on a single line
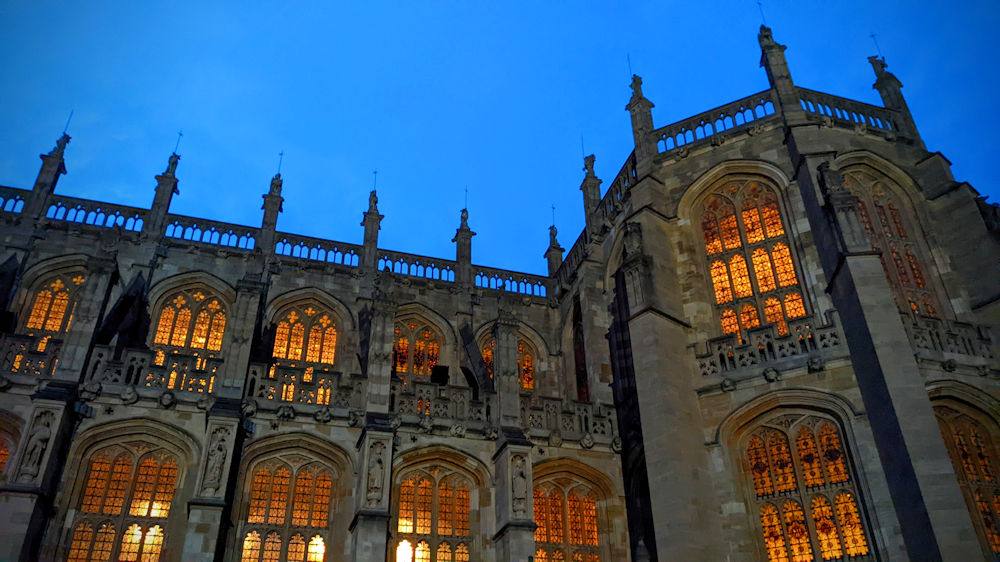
[(442, 95)]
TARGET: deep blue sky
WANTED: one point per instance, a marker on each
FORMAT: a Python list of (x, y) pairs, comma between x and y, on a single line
[(440, 95)]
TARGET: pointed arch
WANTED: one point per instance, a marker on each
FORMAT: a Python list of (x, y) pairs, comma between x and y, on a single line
[(343, 312)]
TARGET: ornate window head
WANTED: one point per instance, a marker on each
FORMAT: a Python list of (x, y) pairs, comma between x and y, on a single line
[(416, 347), (886, 222), (432, 509), (526, 361), (288, 513), (189, 320), (52, 306), (750, 259), (567, 521), (971, 448), (122, 513), (804, 492), (308, 333)]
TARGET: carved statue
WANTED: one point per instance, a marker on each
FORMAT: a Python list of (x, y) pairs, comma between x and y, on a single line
[(465, 220), (552, 237), (376, 473), (61, 143), (172, 164), (216, 461), (519, 486), (636, 86), (41, 434), (372, 202), (588, 161)]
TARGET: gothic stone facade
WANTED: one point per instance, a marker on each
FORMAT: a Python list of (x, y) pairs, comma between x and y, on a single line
[(770, 342)]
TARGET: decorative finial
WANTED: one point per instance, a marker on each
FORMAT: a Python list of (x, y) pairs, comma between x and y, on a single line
[(281, 158), (276, 184), (465, 220), (373, 202), (588, 165), (61, 144), (879, 65), (636, 86), (553, 243), (172, 164), (178, 143)]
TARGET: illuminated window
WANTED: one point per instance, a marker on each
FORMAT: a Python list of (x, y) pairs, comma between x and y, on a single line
[(803, 491), (432, 516), (306, 332), (189, 322), (415, 348), (126, 489), (53, 305), (526, 356), (289, 504), (750, 259), (902, 256), (566, 519), (970, 443)]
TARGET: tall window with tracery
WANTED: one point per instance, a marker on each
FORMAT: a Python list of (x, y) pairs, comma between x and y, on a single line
[(122, 513), (416, 348), (191, 320), (887, 224), (974, 456), (432, 517), (566, 522), (526, 359), (750, 259), (305, 346), (52, 307), (288, 510), (804, 491)]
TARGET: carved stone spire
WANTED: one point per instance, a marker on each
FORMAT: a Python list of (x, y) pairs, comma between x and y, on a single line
[(554, 252), (273, 204), (772, 58), (642, 119), (372, 222), (53, 166), (463, 249), (591, 188), (166, 188), (891, 90)]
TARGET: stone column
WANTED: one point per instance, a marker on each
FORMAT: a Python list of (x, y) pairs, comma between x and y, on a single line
[(372, 221), (772, 58), (515, 536), (591, 189), (370, 533), (35, 471), (934, 520), (272, 206), (505, 368), (166, 188), (640, 109), (206, 511)]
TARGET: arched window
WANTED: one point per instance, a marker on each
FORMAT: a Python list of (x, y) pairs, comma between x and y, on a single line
[(416, 348), (567, 522), (5, 448), (53, 305), (306, 333), (887, 224), (750, 259), (974, 456), (190, 320), (288, 510), (122, 513), (526, 360), (804, 494), (433, 505)]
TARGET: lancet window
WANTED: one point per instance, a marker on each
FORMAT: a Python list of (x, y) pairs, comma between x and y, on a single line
[(52, 307), (974, 456), (416, 348), (804, 492), (887, 225), (304, 352), (190, 320), (288, 510), (123, 510), (432, 524), (754, 278), (567, 522), (526, 361)]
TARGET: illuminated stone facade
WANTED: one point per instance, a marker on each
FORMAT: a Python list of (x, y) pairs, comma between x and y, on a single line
[(770, 342)]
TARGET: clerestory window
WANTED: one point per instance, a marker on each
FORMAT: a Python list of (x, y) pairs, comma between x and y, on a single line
[(750, 259)]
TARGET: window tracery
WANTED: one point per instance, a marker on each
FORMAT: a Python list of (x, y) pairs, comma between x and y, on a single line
[(127, 498), (749, 259), (526, 357), (416, 348), (432, 516), (288, 515), (890, 237), (53, 305), (975, 459), (567, 522), (191, 320), (803, 491)]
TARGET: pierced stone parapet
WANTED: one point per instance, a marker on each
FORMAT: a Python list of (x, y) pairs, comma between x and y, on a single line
[(151, 373), (739, 114), (95, 214), (945, 340), (765, 347), (24, 358), (303, 384), (849, 113), (209, 232)]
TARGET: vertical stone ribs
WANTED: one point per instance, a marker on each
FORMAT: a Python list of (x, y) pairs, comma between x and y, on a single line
[(640, 516)]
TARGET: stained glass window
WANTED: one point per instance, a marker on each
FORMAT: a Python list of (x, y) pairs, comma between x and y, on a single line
[(902, 256), (801, 484), (567, 522), (117, 476), (416, 348), (525, 365), (750, 258), (974, 457), (306, 332), (174, 326), (53, 304), (287, 503), (432, 516)]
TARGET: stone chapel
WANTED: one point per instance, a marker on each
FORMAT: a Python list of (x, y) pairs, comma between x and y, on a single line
[(771, 342)]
